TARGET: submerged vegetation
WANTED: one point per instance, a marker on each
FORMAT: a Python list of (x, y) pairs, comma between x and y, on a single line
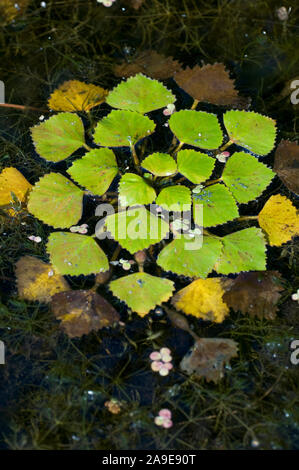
[(181, 135)]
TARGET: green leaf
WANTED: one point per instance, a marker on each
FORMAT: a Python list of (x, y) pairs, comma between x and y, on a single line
[(175, 198), (123, 128), (180, 259), (135, 190), (56, 201), (142, 292), (219, 206), (251, 130), (141, 94), (196, 128), (246, 177), (73, 254), (136, 229), (160, 164), (242, 251), (58, 137), (195, 166), (95, 170)]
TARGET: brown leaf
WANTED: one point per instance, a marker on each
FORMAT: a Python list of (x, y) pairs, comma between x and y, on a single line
[(82, 311), (102, 278), (208, 358), (136, 4), (179, 321), (256, 293), (211, 84), (37, 280), (286, 164), (149, 63)]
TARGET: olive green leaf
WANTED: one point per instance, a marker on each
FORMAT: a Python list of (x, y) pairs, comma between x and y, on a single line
[(175, 198), (142, 292), (136, 229), (56, 201), (179, 257), (251, 130), (195, 166), (242, 251), (122, 128), (141, 94), (95, 170), (246, 177), (160, 164), (219, 206), (73, 254), (196, 128), (58, 137), (134, 189)]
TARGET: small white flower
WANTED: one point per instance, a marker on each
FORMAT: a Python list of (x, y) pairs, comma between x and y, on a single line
[(35, 239), (42, 117), (82, 230), (126, 266), (51, 273), (198, 189), (296, 296), (170, 109), (222, 157)]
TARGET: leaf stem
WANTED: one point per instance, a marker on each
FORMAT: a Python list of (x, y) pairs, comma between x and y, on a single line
[(23, 108), (195, 103), (87, 147), (209, 183), (134, 155), (246, 217), (116, 253), (178, 147), (230, 142), (206, 232)]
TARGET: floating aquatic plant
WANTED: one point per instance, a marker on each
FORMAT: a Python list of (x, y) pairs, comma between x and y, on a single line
[(167, 182)]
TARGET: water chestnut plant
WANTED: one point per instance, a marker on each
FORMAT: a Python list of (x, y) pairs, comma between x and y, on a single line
[(158, 186)]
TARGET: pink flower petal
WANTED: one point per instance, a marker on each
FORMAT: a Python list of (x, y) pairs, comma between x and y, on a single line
[(165, 413), (167, 423), (155, 356), (156, 366), (168, 365)]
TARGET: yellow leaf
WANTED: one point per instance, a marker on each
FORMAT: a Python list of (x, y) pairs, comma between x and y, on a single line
[(12, 181), (8, 10), (203, 299), (37, 280), (279, 219), (76, 96)]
